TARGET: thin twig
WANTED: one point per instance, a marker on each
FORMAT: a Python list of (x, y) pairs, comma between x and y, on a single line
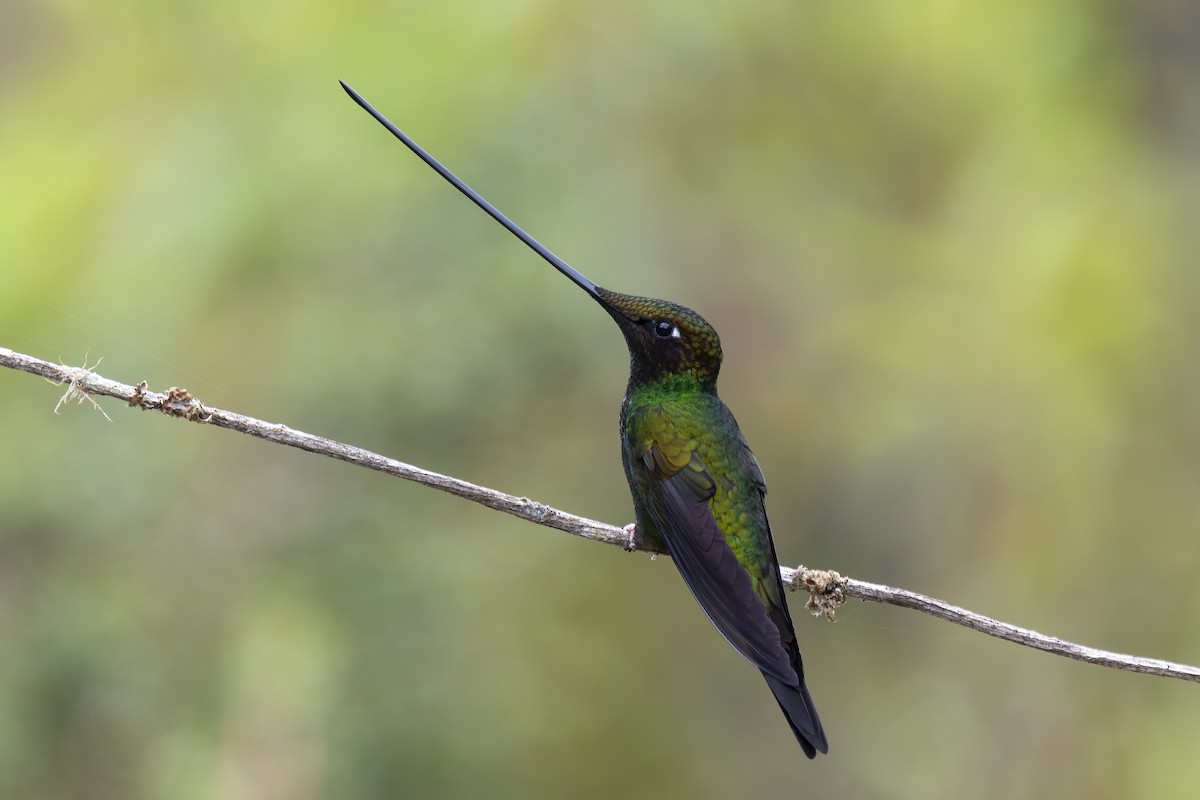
[(827, 590)]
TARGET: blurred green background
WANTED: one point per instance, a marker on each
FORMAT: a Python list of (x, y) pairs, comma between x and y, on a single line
[(950, 248)]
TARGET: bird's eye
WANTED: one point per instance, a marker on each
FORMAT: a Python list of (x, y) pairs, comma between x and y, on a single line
[(665, 329)]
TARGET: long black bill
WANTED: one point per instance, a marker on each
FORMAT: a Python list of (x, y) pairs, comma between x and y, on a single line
[(495, 213)]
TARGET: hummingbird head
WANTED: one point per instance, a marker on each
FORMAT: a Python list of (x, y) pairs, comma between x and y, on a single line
[(665, 340)]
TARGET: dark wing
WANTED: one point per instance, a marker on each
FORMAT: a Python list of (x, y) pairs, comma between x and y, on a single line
[(678, 492), (677, 501), (795, 701)]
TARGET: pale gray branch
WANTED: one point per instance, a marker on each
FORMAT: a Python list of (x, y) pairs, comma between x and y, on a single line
[(827, 590)]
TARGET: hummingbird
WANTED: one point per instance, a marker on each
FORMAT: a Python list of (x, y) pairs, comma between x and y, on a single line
[(698, 491)]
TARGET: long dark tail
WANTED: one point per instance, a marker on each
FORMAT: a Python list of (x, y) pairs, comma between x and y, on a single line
[(797, 705)]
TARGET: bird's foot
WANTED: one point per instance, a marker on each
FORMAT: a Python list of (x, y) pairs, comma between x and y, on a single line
[(631, 530), (653, 547)]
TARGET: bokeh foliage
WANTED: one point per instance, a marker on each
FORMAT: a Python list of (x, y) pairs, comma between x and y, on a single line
[(950, 247)]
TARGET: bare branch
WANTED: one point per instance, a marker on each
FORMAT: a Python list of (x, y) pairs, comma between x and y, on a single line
[(827, 590)]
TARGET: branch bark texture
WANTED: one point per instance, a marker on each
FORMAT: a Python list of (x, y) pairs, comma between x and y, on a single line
[(827, 590)]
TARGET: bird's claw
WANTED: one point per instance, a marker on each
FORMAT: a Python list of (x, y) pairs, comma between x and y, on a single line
[(631, 530)]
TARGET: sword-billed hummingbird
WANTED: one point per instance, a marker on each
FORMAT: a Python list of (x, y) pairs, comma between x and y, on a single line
[(697, 488)]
